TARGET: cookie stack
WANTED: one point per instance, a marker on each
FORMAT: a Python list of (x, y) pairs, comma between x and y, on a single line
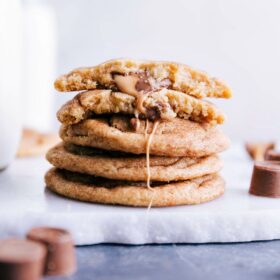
[(139, 133)]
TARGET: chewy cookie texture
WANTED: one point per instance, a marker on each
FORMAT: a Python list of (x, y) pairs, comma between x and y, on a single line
[(164, 104), (140, 134), (131, 167), (92, 189), (171, 138), (150, 75)]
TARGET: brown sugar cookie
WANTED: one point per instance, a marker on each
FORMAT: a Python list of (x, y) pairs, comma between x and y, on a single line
[(164, 104), (132, 76), (130, 167), (178, 137), (34, 143), (101, 190)]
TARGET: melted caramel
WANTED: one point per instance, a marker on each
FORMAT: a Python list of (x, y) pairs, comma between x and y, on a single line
[(128, 84), (148, 144), (149, 138), (146, 128)]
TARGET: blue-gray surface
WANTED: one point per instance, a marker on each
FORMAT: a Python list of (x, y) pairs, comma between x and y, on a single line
[(255, 260)]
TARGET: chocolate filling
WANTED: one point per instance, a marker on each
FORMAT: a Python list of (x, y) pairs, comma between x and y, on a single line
[(146, 83), (139, 85), (143, 84), (151, 114)]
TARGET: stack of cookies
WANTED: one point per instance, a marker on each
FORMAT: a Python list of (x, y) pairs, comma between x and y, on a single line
[(139, 133)]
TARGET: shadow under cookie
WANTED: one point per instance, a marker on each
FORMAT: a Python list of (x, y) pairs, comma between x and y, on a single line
[(100, 190)]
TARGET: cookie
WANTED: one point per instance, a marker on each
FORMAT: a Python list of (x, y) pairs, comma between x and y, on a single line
[(100, 190), (128, 76), (175, 138), (163, 104), (34, 143), (130, 167)]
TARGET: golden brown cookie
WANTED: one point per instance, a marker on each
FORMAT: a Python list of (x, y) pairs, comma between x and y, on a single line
[(175, 138), (34, 143), (130, 167), (143, 76), (100, 190), (163, 104)]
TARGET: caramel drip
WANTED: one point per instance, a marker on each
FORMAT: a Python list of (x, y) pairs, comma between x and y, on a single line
[(148, 144), (127, 84), (139, 103), (151, 202), (137, 125), (146, 128)]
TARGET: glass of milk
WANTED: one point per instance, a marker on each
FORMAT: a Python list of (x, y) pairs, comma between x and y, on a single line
[(10, 80)]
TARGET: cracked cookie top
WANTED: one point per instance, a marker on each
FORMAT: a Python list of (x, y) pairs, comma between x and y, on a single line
[(137, 77)]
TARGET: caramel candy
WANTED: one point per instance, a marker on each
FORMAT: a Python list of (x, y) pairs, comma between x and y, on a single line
[(258, 150), (21, 259), (265, 179), (61, 258), (273, 155)]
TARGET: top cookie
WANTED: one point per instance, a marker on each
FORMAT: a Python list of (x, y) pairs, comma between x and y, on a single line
[(132, 76)]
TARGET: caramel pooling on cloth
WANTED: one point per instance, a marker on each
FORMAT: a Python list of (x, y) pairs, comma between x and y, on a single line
[(265, 179)]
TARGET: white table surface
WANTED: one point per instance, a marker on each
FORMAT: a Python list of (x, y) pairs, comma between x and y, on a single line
[(236, 216)]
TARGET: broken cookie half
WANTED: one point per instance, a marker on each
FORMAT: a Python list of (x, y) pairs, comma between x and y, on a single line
[(163, 104), (138, 77)]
